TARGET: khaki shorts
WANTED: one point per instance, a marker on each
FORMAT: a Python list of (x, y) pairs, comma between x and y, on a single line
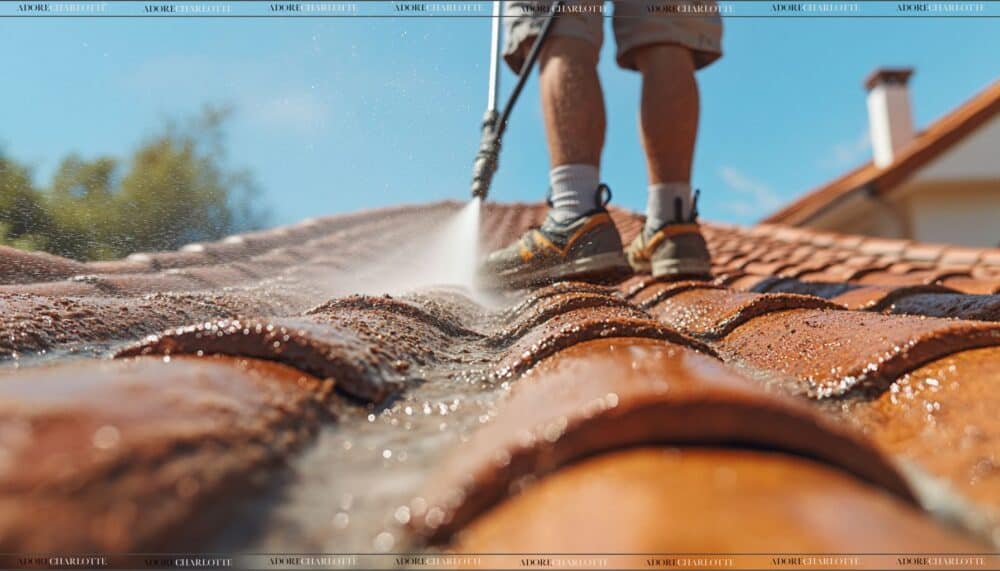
[(637, 23)]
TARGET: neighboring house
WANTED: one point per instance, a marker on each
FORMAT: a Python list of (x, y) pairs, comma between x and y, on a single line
[(938, 185)]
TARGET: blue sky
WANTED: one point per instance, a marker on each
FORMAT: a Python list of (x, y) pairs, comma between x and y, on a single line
[(337, 115)]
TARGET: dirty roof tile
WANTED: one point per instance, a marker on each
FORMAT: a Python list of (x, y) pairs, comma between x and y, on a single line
[(957, 305), (877, 298), (828, 353), (942, 415), (821, 289), (19, 267), (172, 438), (374, 347), (973, 285), (712, 313), (342, 341), (577, 326)]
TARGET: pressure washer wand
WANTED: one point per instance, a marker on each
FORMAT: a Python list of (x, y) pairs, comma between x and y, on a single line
[(494, 123)]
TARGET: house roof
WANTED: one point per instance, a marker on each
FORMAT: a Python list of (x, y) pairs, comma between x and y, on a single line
[(816, 369), (925, 147)]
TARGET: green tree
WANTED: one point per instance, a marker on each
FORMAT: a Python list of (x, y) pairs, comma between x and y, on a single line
[(23, 218), (81, 203), (175, 188), (178, 190)]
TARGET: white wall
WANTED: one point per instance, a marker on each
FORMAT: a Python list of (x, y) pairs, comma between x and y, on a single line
[(975, 157), (957, 215)]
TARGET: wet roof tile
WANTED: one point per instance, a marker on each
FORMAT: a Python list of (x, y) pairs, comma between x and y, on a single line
[(140, 449), (939, 421), (18, 266), (577, 326), (616, 503), (607, 394), (829, 353), (712, 313), (348, 342), (215, 295)]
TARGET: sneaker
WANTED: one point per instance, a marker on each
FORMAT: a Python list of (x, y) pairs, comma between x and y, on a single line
[(676, 250), (586, 248)]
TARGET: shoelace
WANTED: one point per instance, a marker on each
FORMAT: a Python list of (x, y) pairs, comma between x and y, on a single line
[(679, 208)]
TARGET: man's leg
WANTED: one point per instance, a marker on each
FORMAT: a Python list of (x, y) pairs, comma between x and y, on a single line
[(573, 106), (578, 239), (670, 245), (668, 122)]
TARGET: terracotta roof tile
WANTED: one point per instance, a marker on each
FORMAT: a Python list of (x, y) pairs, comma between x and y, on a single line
[(878, 298), (108, 438), (924, 252), (634, 392), (991, 257), (818, 289), (342, 341), (17, 266), (973, 285), (961, 306), (643, 333), (746, 282), (723, 494), (829, 353), (882, 246), (121, 266), (712, 313), (578, 326), (942, 417), (656, 292), (959, 256)]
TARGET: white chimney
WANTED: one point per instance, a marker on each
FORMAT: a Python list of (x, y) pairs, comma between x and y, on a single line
[(889, 118)]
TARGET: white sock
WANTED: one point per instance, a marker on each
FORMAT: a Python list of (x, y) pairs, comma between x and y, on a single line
[(573, 191), (661, 206)]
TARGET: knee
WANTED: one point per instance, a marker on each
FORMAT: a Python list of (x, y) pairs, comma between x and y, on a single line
[(670, 57), (574, 51)]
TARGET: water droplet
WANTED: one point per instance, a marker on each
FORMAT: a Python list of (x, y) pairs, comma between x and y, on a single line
[(106, 437), (435, 517), (384, 542)]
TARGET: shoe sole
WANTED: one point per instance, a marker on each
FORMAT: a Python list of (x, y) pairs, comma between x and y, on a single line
[(681, 267), (602, 267)]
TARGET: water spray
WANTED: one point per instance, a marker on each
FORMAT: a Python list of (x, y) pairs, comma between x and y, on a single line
[(494, 121)]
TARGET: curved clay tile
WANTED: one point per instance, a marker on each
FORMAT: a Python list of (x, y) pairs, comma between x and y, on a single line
[(614, 393), (712, 501), (712, 313), (829, 353), (20, 267), (653, 291), (690, 500), (34, 323), (878, 298), (125, 456), (354, 357), (553, 306), (942, 416), (577, 326)]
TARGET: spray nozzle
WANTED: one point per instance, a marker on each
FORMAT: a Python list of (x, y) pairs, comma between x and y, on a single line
[(485, 164)]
